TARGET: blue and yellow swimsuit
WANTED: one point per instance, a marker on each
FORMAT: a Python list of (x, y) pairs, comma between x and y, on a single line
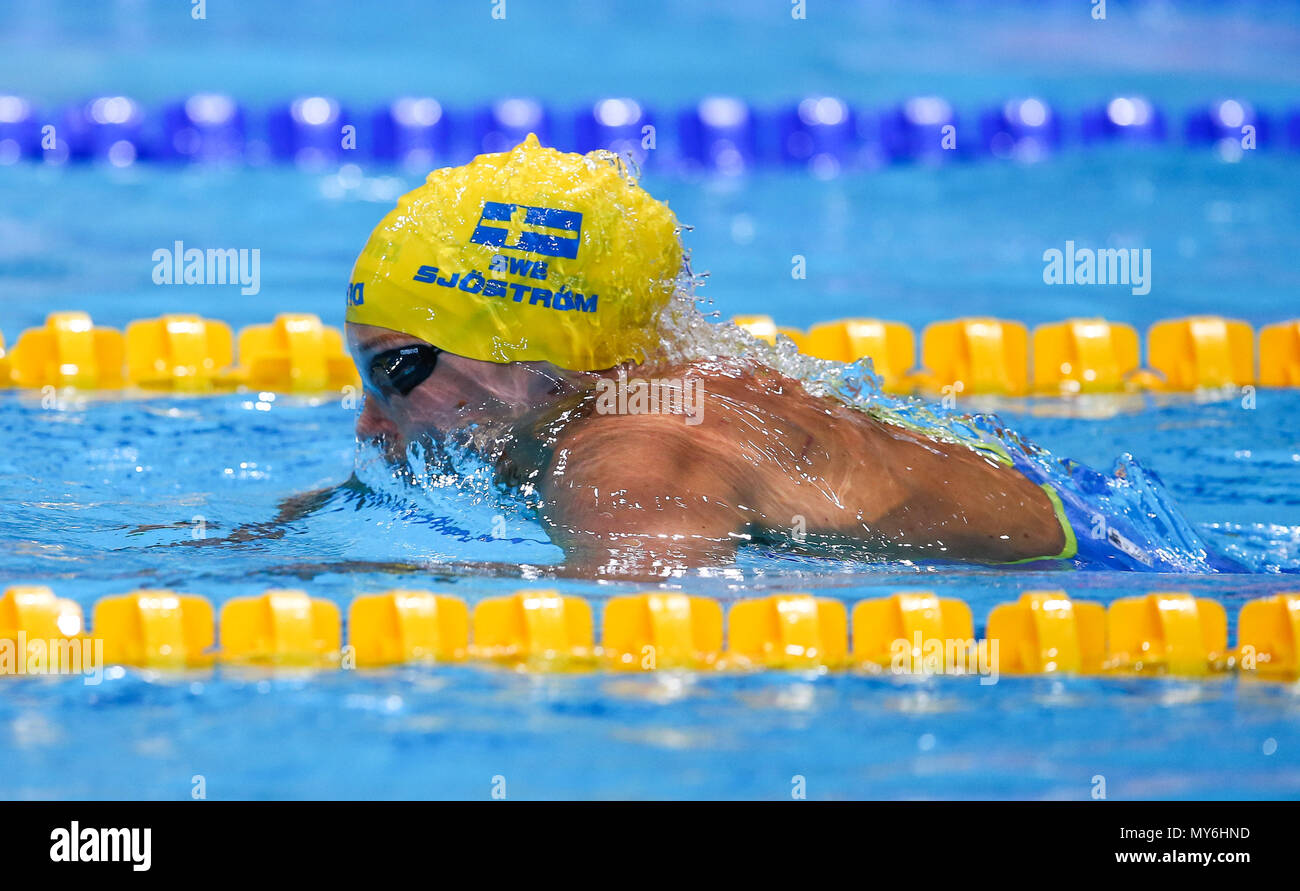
[(1099, 539), (1097, 535)]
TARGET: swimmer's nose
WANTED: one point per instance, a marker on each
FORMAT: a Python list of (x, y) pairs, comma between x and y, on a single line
[(374, 424)]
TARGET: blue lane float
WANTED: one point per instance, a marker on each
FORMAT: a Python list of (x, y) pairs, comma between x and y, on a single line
[(502, 125), (310, 131), (1025, 129), (924, 128), (1228, 120), (107, 128), (20, 130), (412, 131), (1129, 119), (206, 127), (821, 132), (617, 124), (718, 133)]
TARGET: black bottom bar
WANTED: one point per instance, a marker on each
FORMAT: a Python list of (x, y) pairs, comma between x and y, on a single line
[(571, 842)]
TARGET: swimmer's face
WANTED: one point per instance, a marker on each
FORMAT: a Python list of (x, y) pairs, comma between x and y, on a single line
[(414, 390)]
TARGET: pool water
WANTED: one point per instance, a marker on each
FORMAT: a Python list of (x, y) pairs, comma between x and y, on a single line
[(109, 496), (104, 494)]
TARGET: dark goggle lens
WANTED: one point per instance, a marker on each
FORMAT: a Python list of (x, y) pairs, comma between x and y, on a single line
[(402, 370)]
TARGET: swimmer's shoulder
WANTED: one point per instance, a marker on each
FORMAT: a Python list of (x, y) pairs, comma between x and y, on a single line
[(639, 458), (727, 376)]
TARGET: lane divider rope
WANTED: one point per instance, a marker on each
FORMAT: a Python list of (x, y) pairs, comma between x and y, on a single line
[(910, 632), (297, 353), (726, 135)]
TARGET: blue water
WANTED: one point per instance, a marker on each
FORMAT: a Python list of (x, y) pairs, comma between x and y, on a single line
[(105, 495)]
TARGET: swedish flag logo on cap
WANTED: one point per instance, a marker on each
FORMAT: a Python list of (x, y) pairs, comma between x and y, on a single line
[(533, 230)]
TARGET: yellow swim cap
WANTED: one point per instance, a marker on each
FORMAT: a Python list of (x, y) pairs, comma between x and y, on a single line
[(530, 254)]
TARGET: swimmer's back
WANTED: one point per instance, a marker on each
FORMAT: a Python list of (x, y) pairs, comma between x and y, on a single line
[(761, 452)]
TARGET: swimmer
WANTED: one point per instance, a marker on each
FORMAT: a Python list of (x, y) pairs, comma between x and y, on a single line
[(509, 306)]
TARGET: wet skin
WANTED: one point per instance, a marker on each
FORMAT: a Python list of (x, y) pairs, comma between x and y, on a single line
[(649, 494)]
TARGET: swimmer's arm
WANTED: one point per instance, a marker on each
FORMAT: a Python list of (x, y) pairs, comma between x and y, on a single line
[(290, 510), (962, 505)]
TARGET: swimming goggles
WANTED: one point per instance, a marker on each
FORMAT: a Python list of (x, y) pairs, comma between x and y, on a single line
[(403, 369)]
